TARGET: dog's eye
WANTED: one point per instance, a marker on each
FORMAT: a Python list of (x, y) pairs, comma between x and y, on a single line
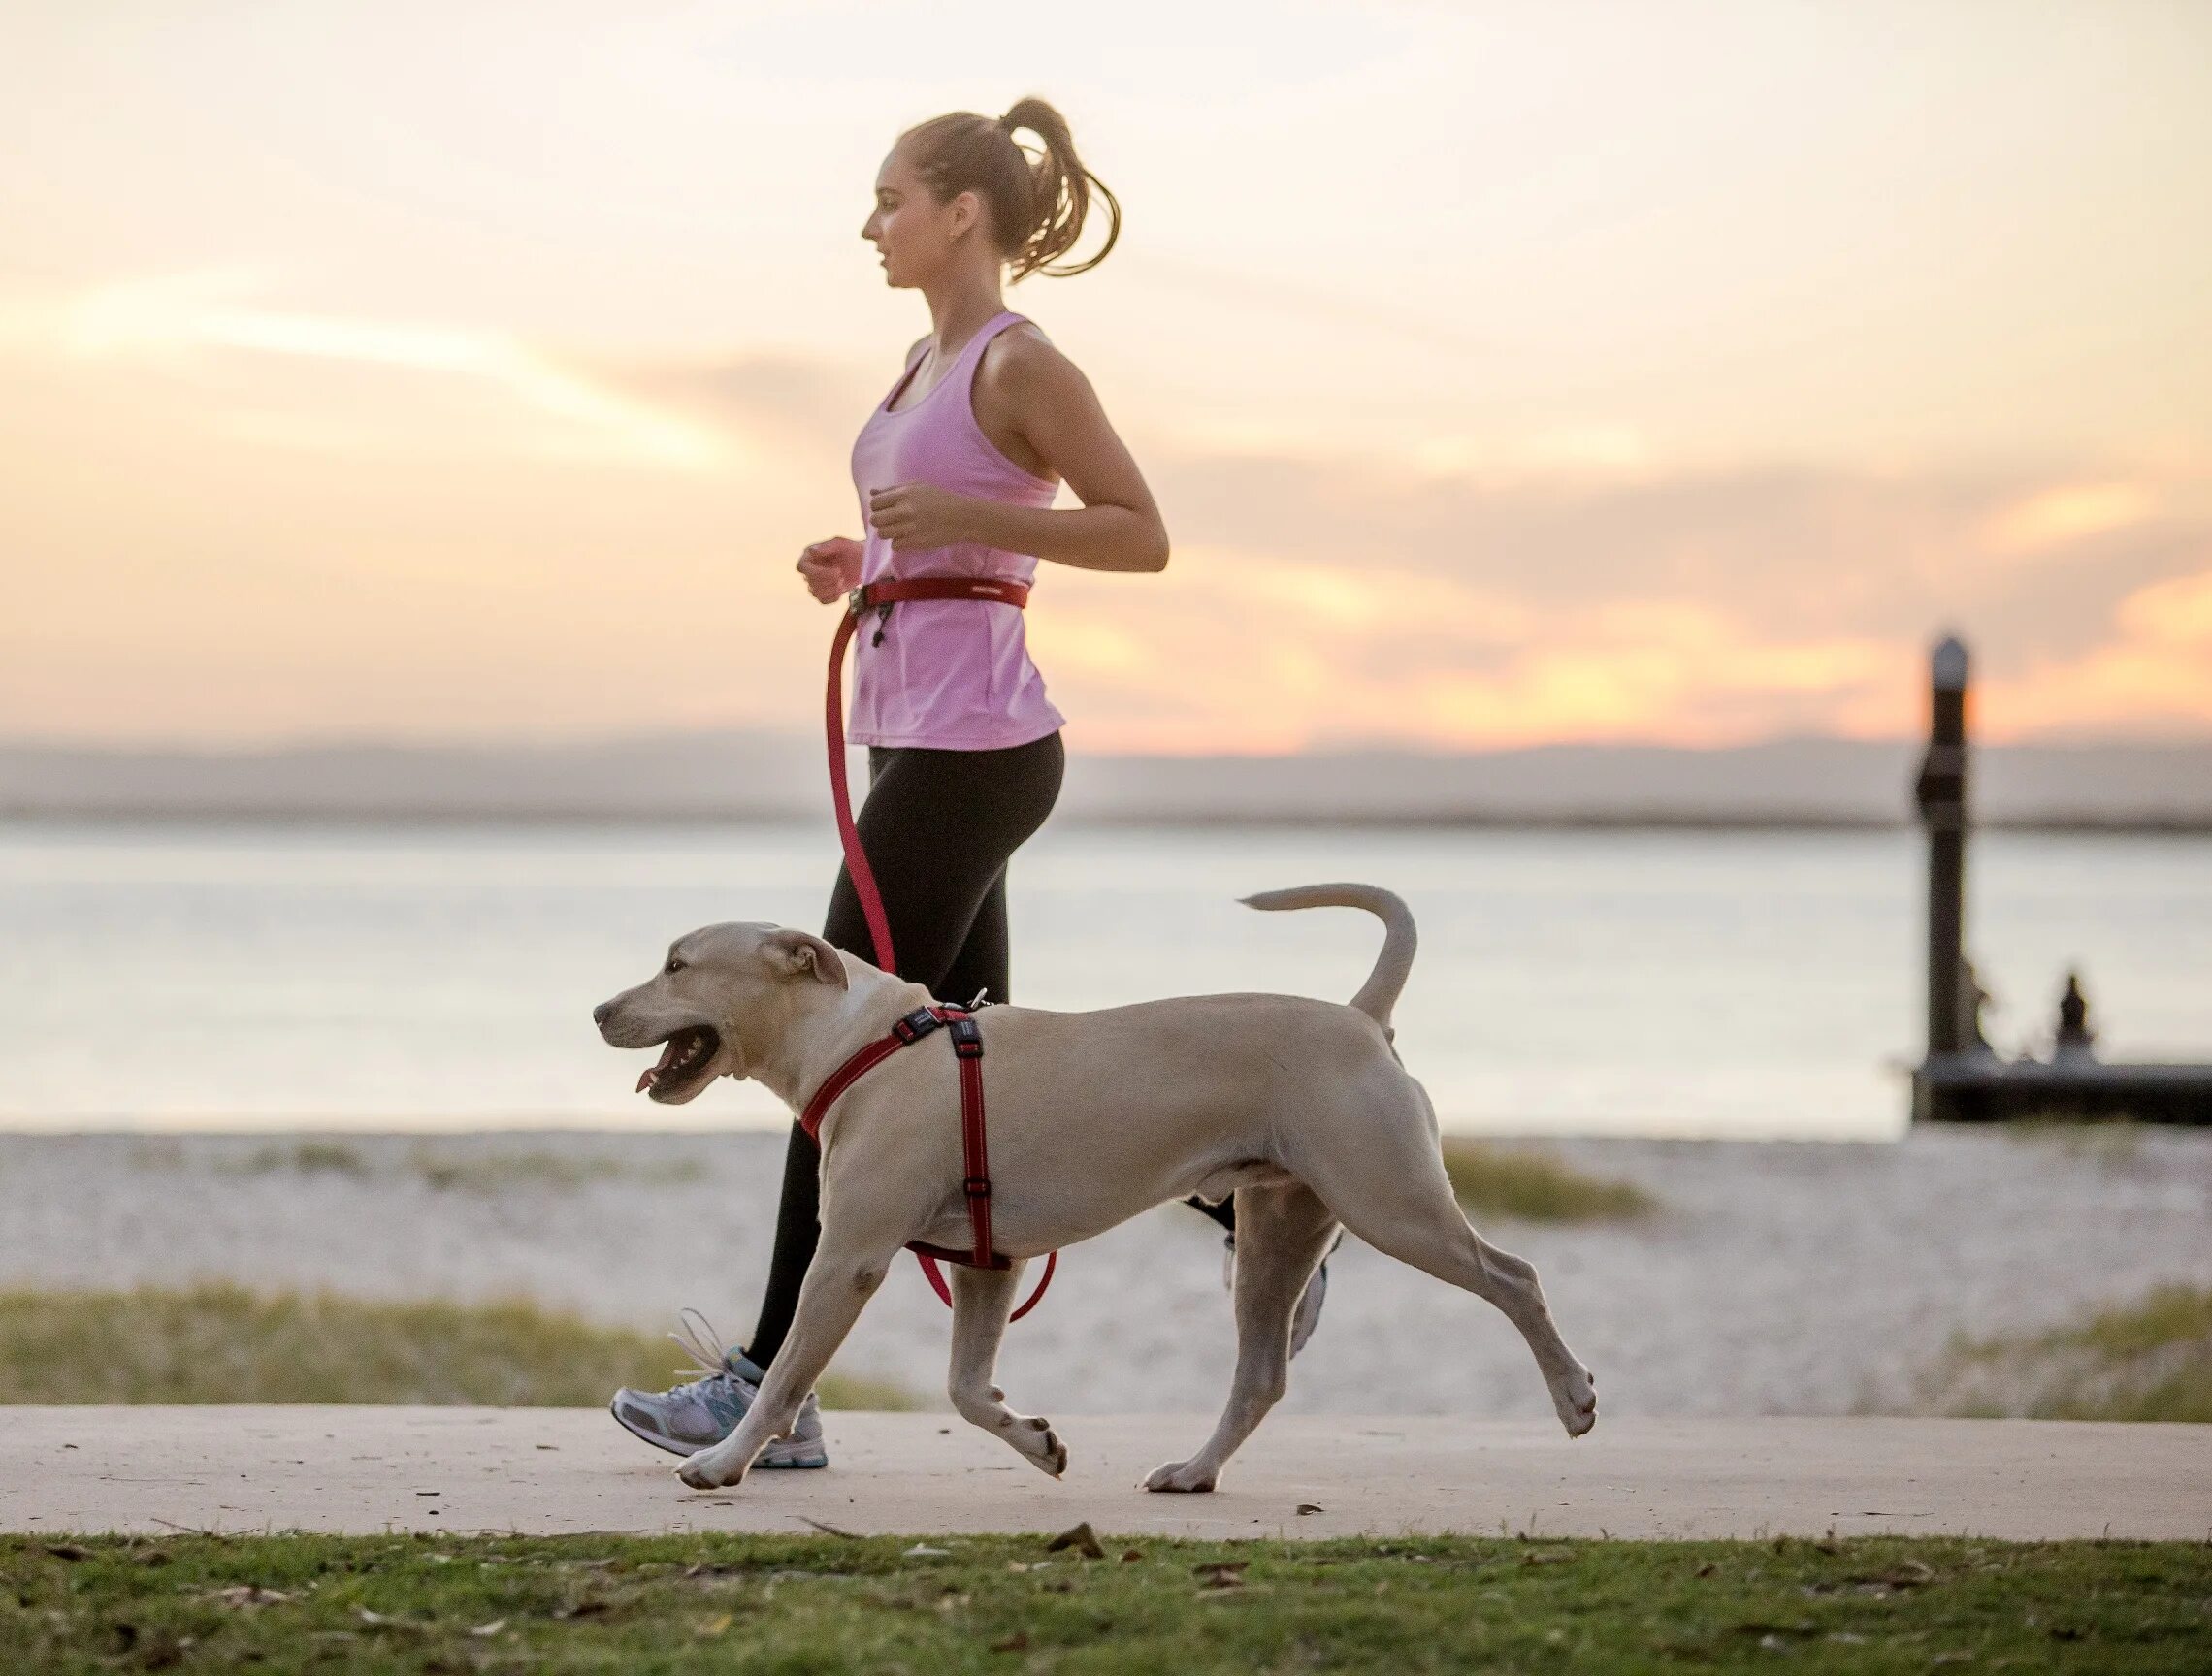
[(673, 965)]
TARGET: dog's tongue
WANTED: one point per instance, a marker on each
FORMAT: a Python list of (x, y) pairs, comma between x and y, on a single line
[(651, 1073)]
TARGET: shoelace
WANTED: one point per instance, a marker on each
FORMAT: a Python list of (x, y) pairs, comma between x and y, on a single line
[(704, 1346)]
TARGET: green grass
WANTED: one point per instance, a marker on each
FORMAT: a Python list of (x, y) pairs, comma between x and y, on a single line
[(1007, 1603), (226, 1344), (442, 1167), (2148, 1361), (1534, 1186)]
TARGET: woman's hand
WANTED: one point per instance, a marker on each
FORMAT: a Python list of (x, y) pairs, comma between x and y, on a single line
[(914, 515), (831, 568)]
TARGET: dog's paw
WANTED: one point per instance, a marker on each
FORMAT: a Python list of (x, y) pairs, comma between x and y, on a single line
[(1575, 1397), (702, 1472), (1036, 1442), (1051, 1454), (1186, 1477)]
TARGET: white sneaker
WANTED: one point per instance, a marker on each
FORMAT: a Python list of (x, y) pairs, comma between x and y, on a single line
[(700, 1412)]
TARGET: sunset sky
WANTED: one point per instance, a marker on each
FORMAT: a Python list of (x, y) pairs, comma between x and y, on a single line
[(1506, 374)]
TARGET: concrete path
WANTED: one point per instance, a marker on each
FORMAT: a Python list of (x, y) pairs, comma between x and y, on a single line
[(553, 1470)]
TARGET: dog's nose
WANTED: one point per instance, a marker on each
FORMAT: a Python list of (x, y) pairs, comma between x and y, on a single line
[(600, 1012)]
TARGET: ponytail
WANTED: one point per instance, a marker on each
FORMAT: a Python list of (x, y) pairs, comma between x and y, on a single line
[(1037, 204)]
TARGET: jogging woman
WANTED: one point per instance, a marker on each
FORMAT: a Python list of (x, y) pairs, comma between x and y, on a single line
[(956, 471)]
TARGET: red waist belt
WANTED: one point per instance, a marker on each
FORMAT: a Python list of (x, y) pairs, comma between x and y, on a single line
[(968, 1050), (967, 1037)]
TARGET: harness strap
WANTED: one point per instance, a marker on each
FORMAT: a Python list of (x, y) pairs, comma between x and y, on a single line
[(882, 595), (975, 1183)]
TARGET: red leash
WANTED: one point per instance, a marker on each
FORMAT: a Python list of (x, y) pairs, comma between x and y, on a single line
[(967, 1037), (882, 596), (967, 1049)]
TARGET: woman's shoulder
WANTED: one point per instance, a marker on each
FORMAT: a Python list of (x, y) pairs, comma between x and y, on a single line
[(1020, 355)]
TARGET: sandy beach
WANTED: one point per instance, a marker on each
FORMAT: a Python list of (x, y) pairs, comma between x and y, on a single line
[(1777, 1279)]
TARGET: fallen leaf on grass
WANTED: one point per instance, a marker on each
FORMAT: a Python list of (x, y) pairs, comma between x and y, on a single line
[(1130, 1556), (68, 1551), (249, 1595), (163, 1652), (923, 1551), (1221, 1574), (1766, 1632), (1014, 1643), (581, 1610), (1083, 1539), (485, 1632), (708, 1628), (1905, 1574)]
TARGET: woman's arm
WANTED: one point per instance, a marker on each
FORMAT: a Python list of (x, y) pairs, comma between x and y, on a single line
[(1117, 527)]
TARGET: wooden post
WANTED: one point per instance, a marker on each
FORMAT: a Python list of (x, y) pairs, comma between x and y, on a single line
[(1941, 796)]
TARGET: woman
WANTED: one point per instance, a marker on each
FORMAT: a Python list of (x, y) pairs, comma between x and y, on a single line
[(957, 471)]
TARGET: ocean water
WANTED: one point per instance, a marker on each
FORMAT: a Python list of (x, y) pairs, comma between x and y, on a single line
[(434, 977)]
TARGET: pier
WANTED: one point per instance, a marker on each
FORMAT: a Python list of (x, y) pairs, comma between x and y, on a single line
[(1961, 1078)]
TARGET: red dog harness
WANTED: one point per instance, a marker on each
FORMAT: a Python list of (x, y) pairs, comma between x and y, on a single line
[(968, 1036), (967, 1049)]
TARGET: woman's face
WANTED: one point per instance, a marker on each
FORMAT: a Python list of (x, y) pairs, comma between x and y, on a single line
[(914, 234)]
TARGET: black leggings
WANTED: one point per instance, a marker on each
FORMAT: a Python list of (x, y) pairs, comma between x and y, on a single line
[(938, 828)]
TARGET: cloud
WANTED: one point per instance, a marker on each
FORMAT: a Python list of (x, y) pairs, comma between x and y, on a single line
[(176, 315), (2057, 516), (2154, 675), (1568, 585), (1228, 648)]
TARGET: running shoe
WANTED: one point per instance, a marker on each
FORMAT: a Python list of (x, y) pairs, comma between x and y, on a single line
[(700, 1412)]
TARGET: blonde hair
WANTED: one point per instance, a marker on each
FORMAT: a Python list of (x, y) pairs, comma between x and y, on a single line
[(1037, 205)]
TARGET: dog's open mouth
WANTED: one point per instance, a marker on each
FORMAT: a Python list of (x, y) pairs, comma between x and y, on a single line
[(687, 1053)]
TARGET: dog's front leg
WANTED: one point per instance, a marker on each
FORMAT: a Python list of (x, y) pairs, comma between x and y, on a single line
[(843, 1276), (980, 1301)]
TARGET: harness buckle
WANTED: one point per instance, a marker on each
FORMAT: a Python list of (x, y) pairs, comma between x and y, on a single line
[(976, 1186), (967, 1037), (916, 1025)]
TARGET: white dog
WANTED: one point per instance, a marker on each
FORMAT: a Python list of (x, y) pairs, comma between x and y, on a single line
[(1299, 1106)]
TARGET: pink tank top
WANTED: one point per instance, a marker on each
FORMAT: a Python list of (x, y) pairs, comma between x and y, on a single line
[(952, 674)]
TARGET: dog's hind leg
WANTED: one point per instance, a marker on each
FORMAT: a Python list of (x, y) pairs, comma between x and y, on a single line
[(980, 1301), (1283, 1233), (844, 1275), (1393, 1192)]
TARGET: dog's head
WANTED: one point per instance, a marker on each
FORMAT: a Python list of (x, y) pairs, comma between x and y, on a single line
[(718, 988)]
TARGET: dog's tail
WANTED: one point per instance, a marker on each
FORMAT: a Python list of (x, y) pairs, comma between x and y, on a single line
[(1380, 993)]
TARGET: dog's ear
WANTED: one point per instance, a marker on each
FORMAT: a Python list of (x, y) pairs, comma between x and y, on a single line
[(798, 955)]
